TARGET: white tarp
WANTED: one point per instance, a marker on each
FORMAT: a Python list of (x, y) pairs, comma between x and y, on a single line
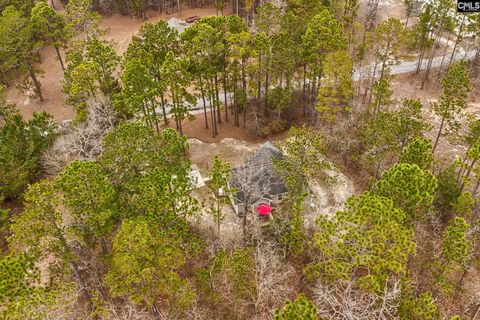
[(195, 177), (178, 24)]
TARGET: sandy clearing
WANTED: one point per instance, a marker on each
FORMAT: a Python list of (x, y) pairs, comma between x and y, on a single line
[(326, 198), (120, 28), (51, 82), (392, 9)]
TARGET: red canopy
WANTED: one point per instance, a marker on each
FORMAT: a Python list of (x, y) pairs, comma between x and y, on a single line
[(264, 209)]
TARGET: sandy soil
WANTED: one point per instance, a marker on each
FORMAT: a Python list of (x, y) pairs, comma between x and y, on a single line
[(196, 129), (329, 196), (326, 198), (408, 86), (392, 9), (230, 150), (120, 29), (234, 152), (51, 89), (386, 9)]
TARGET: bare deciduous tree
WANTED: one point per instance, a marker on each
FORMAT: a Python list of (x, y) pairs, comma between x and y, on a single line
[(344, 300), (273, 277), (81, 141), (128, 312)]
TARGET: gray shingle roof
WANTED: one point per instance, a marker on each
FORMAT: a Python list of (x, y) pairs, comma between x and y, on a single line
[(263, 175)]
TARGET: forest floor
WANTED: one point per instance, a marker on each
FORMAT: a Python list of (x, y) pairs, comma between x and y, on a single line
[(120, 31), (392, 9), (196, 129), (408, 86)]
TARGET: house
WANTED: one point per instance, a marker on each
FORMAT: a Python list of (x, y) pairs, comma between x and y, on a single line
[(257, 181)]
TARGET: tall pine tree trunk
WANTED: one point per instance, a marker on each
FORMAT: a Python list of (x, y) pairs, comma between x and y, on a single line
[(217, 99), (430, 60), (267, 83), (235, 106), (259, 77), (457, 41), (438, 135), (38, 88), (225, 86), (154, 113), (211, 97), (422, 53), (244, 93), (59, 56), (202, 91), (164, 111), (225, 96), (81, 283), (444, 54)]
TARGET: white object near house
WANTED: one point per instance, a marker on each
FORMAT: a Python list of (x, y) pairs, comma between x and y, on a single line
[(179, 25), (195, 177)]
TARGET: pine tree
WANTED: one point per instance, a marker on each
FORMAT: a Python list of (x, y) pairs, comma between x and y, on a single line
[(379, 136), (369, 235), (17, 47), (19, 276), (165, 197), (90, 197), (455, 90), (418, 152), (44, 230), (409, 187), (143, 68), (456, 254), (300, 308), (240, 52), (220, 175), (49, 27), (303, 159), (132, 150), (334, 96), (24, 6), (455, 245), (139, 93), (144, 265), (411, 123), (385, 43), (22, 143), (91, 71), (177, 80), (81, 20), (323, 36)]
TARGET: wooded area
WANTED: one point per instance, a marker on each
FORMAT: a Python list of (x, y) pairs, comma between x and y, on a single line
[(100, 217)]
